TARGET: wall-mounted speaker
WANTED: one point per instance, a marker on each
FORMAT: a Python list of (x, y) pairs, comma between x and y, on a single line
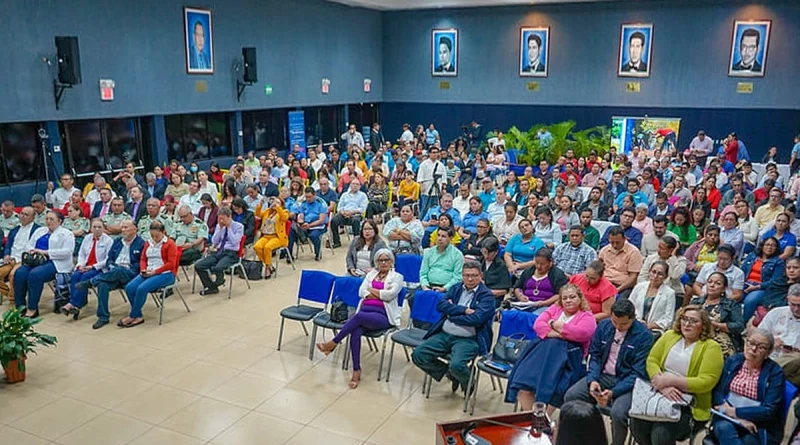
[(250, 66), (69, 60)]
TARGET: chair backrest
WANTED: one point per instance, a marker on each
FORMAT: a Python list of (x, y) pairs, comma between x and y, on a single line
[(511, 155), (408, 265), (515, 322), (789, 393), (424, 308), (240, 253), (401, 297), (346, 289), (316, 286), (602, 226)]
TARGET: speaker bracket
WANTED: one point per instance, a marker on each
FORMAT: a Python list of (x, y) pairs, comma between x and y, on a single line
[(240, 86), (58, 91)]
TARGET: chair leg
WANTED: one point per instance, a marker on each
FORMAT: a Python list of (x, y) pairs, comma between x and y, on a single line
[(430, 383), (244, 274), (311, 342), (194, 278), (124, 297), (383, 354), (230, 285), (180, 294), (391, 360), (474, 396), (161, 308), (303, 325), (346, 358), (291, 259), (469, 387), (280, 333), (491, 379), (408, 357), (186, 274)]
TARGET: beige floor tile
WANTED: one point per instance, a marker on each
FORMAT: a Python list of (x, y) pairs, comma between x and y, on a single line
[(45, 361), (18, 400), (13, 436), (200, 377), (110, 391), (282, 366), (353, 418), (155, 404), (161, 436), (247, 390), (297, 405), (117, 355), (238, 355), (402, 429), (198, 345), (107, 429), (312, 435), (71, 375), (57, 418), (258, 429), (204, 418), (158, 365)]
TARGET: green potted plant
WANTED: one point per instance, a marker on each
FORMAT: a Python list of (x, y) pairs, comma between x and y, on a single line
[(17, 340)]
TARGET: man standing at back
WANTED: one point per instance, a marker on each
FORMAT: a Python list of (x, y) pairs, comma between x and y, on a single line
[(60, 196), (225, 252), (430, 176)]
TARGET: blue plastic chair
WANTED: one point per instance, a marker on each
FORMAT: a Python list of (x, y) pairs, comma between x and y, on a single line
[(315, 286), (515, 324), (408, 265), (511, 155), (344, 289), (789, 393), (423, 310)]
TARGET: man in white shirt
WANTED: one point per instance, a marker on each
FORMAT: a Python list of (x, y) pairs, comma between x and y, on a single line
[(352, 205), (701, 146), (497, 208), (60, 196), (15, 246), (352, 137), (192, 199), (431, 172), (407, 135), (94, 195), (461, 202), (784, 324)]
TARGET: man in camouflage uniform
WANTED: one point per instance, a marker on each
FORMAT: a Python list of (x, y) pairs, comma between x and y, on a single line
[(191, 234), (113, 219), (8, 219), (154, 214)]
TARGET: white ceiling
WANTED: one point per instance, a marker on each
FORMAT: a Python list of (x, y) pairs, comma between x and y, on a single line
[(435, 4)]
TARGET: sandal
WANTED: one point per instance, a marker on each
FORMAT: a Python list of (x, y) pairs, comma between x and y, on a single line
[(355, 380), (133, 323)]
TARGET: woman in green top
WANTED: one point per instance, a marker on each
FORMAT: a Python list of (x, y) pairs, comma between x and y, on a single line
[(681, 225), (684, 360), (77, 224)]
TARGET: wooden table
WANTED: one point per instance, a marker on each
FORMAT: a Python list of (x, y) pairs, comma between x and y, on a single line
[(494, 433)]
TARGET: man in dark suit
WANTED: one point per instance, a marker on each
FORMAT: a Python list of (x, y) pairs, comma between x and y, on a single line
[(136, 208), (748, 50), (154, 188), (445, 56), (618, 352), (376, 136), (118, 270), (266, 187), (534, 50), (463, 333), (635, 63), (102, 206)]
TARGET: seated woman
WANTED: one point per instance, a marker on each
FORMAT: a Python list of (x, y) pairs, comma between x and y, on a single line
[(361, 252), (159, 267), (762, 268), (546, 230), (76, 223), (470, 219), (92, 257), (404, 232), (747, 224), (775, 294), (641, 221), (56, 244), (655, 299), (540, 284), (208, 213), (445, 222), (378, 195), (725, 314), (684, 360), (565, 216), (750, 391), (473, 245), (521, 249), (599, 292), (378, 309), (273, 232), (169, 209), (244, 216), (786, 240), (553, 361), (681, 225), (506, 226)]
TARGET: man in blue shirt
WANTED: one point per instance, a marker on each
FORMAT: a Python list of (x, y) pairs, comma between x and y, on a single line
[(633, 190), (431, 219), (794, 161), (352, 205), (487, 195), (311, 222), (326, 193), (224, 250), (632, 234), (199, 59)]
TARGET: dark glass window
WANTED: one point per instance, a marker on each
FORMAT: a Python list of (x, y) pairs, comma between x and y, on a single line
[(85, 142), (21, 153), (122, 142), (265, 129), (102, 145), (323, 124), (198, 136)]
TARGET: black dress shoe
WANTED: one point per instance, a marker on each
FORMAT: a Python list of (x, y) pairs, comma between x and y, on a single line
[(209, 291), (99, 324), (454, 384)]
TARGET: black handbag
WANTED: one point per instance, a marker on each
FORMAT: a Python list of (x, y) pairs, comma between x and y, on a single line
[(339, 312), (508, 349), (33, 259)]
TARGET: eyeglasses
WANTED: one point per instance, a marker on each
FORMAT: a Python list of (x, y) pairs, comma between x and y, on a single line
[(761, 347), (384, 260), (689, 321)]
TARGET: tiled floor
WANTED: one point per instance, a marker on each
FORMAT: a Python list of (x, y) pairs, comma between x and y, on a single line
[(214, 377)]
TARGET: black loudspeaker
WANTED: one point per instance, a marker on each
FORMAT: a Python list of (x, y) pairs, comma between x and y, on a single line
[(250, 67), (69, 60)]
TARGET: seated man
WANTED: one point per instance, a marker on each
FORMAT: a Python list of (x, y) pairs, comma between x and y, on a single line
[(782, 323), (618, 352), (225, 252), (312, 220), (622, 261), (191, 234), (575, 256), (431, 219), (122, 265), (441, 264), (192, 199), (16, 244), (8, 219), (632, 234), (464, 332), (495, 272), (352, 205), (651, 240), (113, 219), (154, 214), (102, 206)]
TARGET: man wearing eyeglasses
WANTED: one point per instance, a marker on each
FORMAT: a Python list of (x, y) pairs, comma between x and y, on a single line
[(784, 324)]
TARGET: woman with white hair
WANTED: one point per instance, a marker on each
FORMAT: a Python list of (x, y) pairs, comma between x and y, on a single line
[(378, 309)]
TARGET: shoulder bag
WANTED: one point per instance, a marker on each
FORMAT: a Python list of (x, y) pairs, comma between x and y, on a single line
[(649, 404)]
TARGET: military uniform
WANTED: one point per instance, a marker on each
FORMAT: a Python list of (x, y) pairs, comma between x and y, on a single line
[(189, 233), (7, 224), (39, 218), (114, 220), (144, 226)]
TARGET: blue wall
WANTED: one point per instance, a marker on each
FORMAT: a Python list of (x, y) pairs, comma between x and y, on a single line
[(139, 44), (691, 46)]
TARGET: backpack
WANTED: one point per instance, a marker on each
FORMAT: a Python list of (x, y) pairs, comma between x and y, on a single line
[(253, 269)]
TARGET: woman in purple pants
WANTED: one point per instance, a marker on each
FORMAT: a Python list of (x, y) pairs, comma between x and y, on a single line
[(378, 309)]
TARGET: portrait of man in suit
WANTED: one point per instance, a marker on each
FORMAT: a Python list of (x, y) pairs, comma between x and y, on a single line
[(635, 50), (445, 52), (533, 56), (199, 47), (749, 48)]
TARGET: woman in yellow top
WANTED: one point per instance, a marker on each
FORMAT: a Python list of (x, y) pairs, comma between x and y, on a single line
[(445, 222), (409, 190), (273, 231)]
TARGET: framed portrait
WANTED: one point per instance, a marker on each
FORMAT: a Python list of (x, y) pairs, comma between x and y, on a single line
[(749, 44), (635, 50), (444, 52), (534, 51), (198, 34)]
